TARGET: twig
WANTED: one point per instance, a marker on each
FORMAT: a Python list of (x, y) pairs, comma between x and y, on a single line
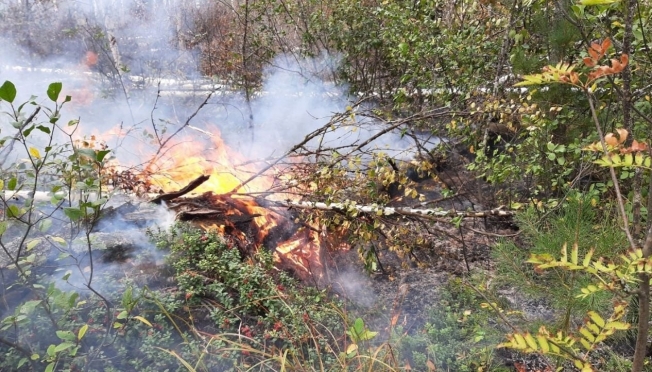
[(273, 163), (165, 142), (498, 312), (492, 234)]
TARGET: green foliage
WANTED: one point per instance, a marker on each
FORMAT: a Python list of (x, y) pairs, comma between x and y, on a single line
[(577, 219), (456, 337), (251, 304)]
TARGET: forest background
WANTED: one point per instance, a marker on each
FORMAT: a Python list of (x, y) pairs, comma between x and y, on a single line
[(537, 110)]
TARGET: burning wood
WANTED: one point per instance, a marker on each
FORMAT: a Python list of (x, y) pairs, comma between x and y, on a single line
[(253, 224)]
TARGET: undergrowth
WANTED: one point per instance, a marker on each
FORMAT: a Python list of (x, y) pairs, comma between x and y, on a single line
[(579, 220)]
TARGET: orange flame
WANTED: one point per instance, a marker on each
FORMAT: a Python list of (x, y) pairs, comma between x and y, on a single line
[(188, 159)]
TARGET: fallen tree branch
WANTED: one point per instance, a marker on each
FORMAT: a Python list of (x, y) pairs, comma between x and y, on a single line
[(389, 211), (173, 195)]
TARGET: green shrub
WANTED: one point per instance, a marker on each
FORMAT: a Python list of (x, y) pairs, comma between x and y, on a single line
[(457, 335)]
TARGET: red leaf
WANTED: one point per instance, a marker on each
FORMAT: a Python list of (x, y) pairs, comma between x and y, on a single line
[(589, 62), (606, 43), (594, 53), (638, 146)]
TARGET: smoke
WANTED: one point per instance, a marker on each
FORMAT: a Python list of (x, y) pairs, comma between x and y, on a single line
[(132, 78)]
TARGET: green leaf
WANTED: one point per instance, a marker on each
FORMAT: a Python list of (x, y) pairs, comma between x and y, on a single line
[(29, 306), (33, 243), (12, 183), (13, 211), (43, 129), (53, 91), (101, 154), (358, 326), (74, 214), (123, 315), (45, 225), (73, 299), (63, 346), (28, 131), (21, 362), (66, 335), (8, 91), (3, 227), (89, 153), (50, 366)]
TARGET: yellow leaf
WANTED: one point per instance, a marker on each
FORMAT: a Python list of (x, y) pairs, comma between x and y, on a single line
[(34, 152), (58, 239), (352, 348), (587, 345), (618, 325), (574, 254), (82, 331), (587, 258), (587, 368), (587, 334), (543, 342), (531, 342), (519, 341), (143, 320), (596, 318), (628, 160)]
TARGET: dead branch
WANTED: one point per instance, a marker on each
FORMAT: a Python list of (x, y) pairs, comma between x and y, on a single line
[(402, 211), (173, 195)]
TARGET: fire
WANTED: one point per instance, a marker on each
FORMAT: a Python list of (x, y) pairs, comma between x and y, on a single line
[(255, 223), (186, 159)]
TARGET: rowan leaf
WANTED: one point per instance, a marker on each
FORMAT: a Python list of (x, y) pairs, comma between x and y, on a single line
[(575, 254), (531, 341), (587, 258)]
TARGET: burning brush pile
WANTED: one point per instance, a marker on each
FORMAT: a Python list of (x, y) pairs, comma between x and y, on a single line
[(252, 224), (227, 198)]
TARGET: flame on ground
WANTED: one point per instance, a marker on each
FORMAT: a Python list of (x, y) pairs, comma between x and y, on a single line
[(188, 158), (299, 248)]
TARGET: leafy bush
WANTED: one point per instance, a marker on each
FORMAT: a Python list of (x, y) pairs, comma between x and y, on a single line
[(254, 309)]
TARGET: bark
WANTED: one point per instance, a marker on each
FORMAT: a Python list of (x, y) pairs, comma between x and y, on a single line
[(643, 327), (395, 211)]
